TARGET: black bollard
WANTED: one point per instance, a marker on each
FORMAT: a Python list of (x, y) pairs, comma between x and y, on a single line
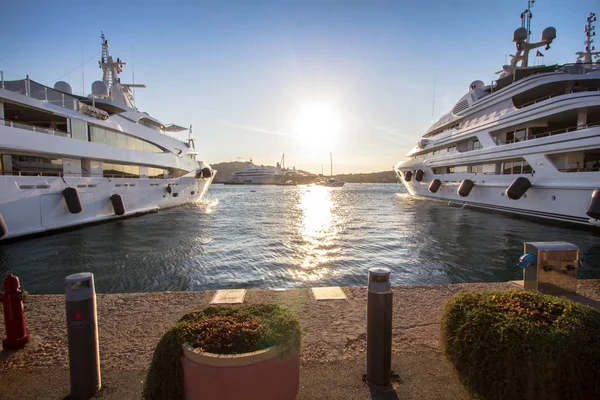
[(379, 327), (82, 335)]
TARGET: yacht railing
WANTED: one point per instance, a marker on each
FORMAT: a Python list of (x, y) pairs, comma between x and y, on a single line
[(548, 133), (593, 169), (87, 175), (578, 68), (31, 173), (594, 89), (30, 88), (34, 128)]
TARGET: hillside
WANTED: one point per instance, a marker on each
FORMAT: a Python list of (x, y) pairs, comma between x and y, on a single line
[(225, 169), (374, 177)]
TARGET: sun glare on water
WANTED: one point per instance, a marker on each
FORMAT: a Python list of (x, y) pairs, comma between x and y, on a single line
[(317, 125)]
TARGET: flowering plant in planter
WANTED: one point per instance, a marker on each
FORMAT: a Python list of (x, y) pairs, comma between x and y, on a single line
[(225, 338)]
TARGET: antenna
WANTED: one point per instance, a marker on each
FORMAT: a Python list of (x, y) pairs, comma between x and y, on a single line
[(82, 74), (521, 37), (433, 102), (589, 53), (133, 81), (526, 18), (191, 140)]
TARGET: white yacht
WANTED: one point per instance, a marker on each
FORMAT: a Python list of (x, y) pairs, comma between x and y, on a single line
[(527, 144), (255, 175), (68, 160)]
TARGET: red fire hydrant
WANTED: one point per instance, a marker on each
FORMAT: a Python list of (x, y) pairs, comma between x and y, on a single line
[(14, 316)]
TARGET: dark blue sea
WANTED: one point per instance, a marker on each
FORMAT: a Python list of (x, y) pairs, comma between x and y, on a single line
[(283, 237)]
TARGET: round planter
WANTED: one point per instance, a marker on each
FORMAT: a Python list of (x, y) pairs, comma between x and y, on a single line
[(265, 374)]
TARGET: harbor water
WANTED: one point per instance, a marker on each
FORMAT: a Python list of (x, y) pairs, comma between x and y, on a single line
[(283, 237)]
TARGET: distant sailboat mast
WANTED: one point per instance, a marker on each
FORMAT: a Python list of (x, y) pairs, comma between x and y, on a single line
[(331, 165)]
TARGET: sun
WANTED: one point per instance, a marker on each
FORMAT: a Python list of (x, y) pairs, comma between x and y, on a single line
[(317, 125)]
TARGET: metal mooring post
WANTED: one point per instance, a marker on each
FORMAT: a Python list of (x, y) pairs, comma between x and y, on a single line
[(82, 334), (379, 327)]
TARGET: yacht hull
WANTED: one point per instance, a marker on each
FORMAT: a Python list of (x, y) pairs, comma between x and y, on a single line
[(564, 200), (35, 204)]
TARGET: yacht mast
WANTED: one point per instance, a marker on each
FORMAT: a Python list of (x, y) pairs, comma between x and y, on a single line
[(526, 19), (115, 90), (589, 53), (191, 140), (521, 38)]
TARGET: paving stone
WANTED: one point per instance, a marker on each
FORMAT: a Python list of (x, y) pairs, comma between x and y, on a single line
[(229, 296), (328, 293)]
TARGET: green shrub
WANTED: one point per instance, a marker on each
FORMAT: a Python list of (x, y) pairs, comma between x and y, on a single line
[(221, 330), (523, 345)]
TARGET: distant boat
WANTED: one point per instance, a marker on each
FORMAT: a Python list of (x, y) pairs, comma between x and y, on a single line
[(331, 182), (254, 175), (261, 175)]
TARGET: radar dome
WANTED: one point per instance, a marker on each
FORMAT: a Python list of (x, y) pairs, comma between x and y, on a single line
[(63, 86), (99, 89), (549, 34), (476, 85), (520, 35)]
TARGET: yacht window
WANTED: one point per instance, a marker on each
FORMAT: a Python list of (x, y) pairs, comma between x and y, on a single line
[(33, 166), (176, 173), (121, 140), (577, 161), (97, 135), (476, 144), (520, 135), (111, 170), (111, 138), (131, 142), (156, 173), (79, 129), (516, 167), (451, 149), (476, 168), (139, 145)]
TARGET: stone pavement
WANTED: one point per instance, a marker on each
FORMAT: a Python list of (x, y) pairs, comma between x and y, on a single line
[(421, 375)]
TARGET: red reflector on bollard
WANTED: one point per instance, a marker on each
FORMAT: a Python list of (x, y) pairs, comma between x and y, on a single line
[(77, 316)]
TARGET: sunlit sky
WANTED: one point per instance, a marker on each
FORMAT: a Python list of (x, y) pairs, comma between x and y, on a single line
[(244, 73)]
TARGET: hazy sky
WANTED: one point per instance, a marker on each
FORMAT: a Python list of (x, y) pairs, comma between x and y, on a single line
[(241, 72)]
